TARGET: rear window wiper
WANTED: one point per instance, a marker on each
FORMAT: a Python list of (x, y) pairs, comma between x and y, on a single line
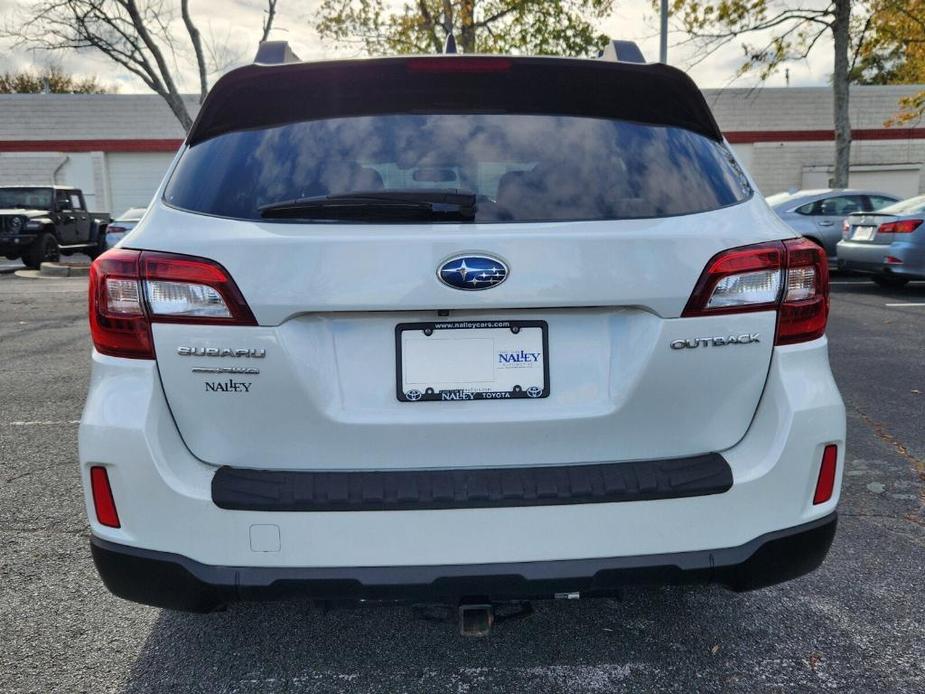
[(446, 205)]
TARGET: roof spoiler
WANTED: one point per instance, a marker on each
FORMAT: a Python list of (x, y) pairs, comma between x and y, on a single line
[(622, 52), (275, 53)]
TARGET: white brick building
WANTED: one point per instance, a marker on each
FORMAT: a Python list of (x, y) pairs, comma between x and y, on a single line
[(117, 147), (785, 137)]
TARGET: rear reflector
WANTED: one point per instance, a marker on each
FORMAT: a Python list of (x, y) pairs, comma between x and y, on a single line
[(103, 502), (789, 276), (826, 483), (906, 226), (129, 290)]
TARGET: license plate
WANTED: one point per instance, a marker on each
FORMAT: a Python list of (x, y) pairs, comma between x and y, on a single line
[(456, 361), (863, 233)]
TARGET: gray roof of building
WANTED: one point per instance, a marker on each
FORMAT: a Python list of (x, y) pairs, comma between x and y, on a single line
[(88, 117), (146, 116)]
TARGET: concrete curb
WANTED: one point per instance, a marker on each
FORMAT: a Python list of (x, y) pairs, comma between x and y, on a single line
[(63, 270), (54, 273), (54, 270)]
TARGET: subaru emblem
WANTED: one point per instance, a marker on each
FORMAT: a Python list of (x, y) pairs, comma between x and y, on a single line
[(471, 272)]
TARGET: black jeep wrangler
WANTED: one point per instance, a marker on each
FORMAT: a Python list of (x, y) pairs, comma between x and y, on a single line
[(42, 223)]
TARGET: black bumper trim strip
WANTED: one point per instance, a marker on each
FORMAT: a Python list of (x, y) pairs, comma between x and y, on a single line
[(173, 581), (416, 490)]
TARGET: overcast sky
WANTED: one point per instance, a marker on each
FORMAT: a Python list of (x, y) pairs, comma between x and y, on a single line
[(233, 26)]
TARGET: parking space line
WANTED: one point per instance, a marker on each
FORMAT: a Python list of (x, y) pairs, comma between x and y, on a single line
[(908, 304), (867, 283), (46, 423)]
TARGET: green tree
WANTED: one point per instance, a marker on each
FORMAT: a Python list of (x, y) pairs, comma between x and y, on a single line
[(535, 27), (894, 52), (786, 30), (51, 79)]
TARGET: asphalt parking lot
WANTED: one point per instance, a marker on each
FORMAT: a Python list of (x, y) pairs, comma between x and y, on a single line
[(854, 625)]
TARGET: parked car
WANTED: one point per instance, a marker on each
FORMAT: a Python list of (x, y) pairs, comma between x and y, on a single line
[(820, 214), (41, 223), (582, 362), (889, 244), (123, 224)]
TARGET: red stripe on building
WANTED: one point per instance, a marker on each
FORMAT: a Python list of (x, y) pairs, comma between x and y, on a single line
[(735, 137), (90, 145), (742, 137)]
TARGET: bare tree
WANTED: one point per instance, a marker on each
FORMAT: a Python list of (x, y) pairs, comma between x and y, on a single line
[(792, 30), (135, 34), (269, 16)]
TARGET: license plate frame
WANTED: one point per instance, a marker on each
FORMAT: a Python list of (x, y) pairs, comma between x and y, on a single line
[(533, 392), (863, 232)]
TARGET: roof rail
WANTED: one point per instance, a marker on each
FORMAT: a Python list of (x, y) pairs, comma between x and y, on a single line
[(622, 52), (275, 53)]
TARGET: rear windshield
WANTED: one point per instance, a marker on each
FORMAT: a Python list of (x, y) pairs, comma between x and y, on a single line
[(521, 168), (909, 206)]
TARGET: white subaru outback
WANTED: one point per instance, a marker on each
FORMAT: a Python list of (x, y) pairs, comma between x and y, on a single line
[(457, 328)]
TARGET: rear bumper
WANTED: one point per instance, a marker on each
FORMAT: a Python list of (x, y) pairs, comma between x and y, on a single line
[(15, 242), (870, 257), (167, 509), (176, 582)]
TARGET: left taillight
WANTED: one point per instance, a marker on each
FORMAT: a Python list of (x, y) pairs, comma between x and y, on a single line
[(130, 290), (791, 277)]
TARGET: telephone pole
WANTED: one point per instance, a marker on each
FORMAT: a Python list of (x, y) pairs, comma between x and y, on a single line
[(663, 37)]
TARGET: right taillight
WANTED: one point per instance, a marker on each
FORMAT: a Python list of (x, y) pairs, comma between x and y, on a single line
[(129, 290), (789, 276), (804, 306), (905, 226)]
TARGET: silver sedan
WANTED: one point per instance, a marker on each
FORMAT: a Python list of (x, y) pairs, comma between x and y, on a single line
[(889, 243), (123, 224), (820, 214)]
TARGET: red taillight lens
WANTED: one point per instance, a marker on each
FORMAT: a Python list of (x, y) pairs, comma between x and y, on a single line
[(182, 289), (103, 502), (737, 280), (825, 485), (115, 229), (118, 324), (791, 276), (804, 308), (906, 226), (129, 290)]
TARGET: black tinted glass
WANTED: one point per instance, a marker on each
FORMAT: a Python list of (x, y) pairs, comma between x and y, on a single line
[(29, 198), (522, 168)]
